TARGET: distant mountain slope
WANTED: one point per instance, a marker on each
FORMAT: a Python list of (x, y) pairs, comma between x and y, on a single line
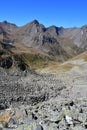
[(58, 43), (7, 32)]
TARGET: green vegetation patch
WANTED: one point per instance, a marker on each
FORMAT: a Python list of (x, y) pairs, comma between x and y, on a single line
[(35, 61), (85, 58)]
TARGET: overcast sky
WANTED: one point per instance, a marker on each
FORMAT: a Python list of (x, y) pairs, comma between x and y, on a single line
[(66, 13)]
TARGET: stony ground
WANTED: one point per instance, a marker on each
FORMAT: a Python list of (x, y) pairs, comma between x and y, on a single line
[(30, 101), (53, 114)]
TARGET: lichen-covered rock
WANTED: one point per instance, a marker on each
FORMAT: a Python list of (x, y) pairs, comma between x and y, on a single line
[(12, 123), (30, 126), (82, 117)]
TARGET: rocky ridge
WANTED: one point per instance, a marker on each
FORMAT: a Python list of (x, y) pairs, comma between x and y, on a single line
[(58, 43)]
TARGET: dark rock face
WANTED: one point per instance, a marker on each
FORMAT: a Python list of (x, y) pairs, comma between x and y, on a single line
[(3, 106), (22, 66), (8, 59), (1, 52), (6, 63)]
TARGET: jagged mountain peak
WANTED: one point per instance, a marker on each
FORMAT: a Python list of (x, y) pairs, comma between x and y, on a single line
[(54, 30), (7, 31), (84, 26), (35, 22), (32, 28), (6, 23)]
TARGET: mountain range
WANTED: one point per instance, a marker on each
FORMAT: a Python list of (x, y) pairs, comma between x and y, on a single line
[(38, 44)]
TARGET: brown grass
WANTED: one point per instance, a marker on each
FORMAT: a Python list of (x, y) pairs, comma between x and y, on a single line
[(81, 56), (66, 67), (5, 118), (56, 67), (21, 48), (85, 58)]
